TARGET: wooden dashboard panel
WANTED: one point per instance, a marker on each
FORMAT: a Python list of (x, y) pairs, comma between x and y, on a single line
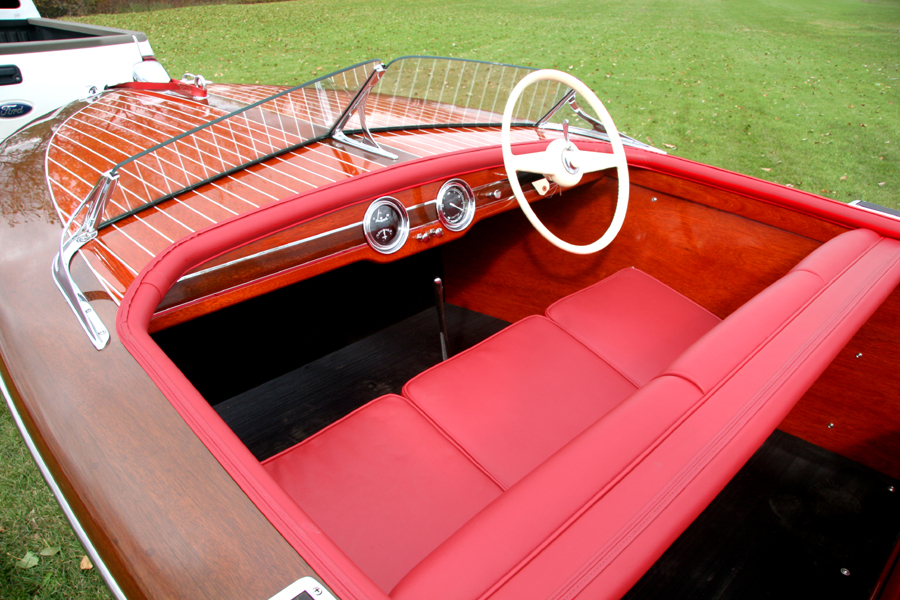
[(328, 242)]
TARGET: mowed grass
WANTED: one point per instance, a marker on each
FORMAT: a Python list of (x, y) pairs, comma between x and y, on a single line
[(797, 92), (31, 522)]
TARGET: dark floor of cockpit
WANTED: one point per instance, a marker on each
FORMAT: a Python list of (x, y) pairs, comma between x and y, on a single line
[(286, 410), (797, 521)]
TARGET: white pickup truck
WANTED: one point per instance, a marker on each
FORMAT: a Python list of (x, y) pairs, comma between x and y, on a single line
[(46, 64)]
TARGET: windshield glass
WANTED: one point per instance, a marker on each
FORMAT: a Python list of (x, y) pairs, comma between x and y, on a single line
[(423, 91), (234, 141), (413, 92)]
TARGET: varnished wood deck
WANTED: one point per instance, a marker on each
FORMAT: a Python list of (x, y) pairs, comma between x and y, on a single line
[(123, 123)]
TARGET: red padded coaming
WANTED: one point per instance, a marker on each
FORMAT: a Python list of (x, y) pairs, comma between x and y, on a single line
[(519, 396), (526, 516), (828, 260), (144, 295), (634, 322), (385, 485)]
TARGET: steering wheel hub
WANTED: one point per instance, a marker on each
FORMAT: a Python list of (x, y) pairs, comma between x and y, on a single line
[(570, 158), (563, 162)]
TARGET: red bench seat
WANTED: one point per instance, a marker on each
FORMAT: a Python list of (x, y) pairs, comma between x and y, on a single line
[(552, 460), (385, 485)]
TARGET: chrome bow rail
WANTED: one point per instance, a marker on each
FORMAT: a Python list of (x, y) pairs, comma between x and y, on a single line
[(94, 204)]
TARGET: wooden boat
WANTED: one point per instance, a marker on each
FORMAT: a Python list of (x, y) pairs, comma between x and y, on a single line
[(309, 346)]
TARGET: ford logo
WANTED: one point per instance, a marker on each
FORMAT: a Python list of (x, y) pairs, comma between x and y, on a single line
[(11, 110)]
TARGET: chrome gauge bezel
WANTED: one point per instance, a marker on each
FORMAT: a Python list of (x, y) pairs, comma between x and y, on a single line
[(468, 210), (402, 231)]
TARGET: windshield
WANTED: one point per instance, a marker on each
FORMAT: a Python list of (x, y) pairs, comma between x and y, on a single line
[(413, 92), (424, 91)]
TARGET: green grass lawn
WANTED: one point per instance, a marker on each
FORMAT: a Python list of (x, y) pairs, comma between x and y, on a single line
[(798, 92), (794, 91)]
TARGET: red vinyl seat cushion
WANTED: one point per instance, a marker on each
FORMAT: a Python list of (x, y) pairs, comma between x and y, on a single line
[(385, 485), (519, 396), (633, 322)]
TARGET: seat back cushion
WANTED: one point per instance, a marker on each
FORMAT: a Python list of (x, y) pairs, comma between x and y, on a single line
[(634, 322), (385, 485)]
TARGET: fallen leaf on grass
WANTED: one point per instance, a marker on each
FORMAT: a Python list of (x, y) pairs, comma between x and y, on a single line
[(86, 564), (765, 169), (28, 561), (844, 178), (50, 551), (670, 146), (882, 183)]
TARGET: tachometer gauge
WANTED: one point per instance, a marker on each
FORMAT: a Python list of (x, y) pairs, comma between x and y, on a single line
[(386, 225), (456, 205)]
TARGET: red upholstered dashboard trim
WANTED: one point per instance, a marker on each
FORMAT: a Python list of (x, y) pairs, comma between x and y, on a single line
[(148, 289)]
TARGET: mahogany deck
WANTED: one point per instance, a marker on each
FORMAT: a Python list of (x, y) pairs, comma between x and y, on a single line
[(119, 125)]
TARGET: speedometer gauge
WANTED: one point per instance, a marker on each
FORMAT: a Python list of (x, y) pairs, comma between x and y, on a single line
[(456, 205), (386, 225)]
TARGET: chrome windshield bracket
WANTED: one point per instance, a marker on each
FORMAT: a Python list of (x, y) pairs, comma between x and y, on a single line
[(570, 95), (94, 205), (358, 106), (569, 99), (596, 125)]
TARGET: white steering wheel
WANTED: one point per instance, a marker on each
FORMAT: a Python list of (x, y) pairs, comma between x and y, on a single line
[(563, 163)]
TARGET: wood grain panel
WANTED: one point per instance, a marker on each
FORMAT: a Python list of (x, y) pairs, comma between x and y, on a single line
[(284, 258), (764, 212), (858, 395), (505, 269), (122, 123)]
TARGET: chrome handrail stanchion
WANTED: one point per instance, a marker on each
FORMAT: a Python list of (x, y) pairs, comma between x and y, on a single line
[(94, 205)]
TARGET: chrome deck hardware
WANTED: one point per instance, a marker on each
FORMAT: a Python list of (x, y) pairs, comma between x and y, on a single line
[(358, 106), (94, 204)]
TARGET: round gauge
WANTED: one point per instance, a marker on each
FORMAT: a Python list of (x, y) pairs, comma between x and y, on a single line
[(456, 205), (386, 225)]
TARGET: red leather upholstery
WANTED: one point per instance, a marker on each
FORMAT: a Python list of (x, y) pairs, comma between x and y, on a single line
[(795, 295), (633, 322), (660, 457), (530, 515), (385, 485), (600, 480), (519, 396)]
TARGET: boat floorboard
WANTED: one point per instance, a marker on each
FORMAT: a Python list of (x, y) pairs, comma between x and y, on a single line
[(284, 411), (787, 526)]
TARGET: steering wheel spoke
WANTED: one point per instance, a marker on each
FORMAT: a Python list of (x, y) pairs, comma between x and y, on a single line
[(564, 164), (598, 161), (533, 162)]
